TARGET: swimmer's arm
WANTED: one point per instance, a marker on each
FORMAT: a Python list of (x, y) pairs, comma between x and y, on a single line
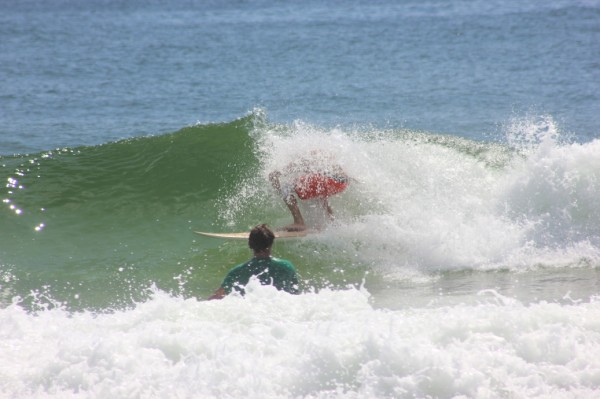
[(219, 294)]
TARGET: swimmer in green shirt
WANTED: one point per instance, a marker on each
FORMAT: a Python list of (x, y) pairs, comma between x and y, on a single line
[(269, 270)]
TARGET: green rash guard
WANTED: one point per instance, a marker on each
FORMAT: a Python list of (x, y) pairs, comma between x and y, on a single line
[(269, 271)]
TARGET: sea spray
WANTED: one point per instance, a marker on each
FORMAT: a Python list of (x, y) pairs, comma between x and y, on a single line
[(430, 203)]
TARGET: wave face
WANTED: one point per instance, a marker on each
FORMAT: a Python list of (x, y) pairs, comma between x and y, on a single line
[(103, 223), (89, 215)]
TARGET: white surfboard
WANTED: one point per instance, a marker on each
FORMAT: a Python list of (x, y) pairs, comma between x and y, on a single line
[(243, 235)]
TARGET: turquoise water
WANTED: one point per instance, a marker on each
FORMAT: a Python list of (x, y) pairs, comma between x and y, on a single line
[(464, 259)]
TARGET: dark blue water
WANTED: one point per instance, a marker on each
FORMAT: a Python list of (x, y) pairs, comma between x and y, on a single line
[(90, 72)]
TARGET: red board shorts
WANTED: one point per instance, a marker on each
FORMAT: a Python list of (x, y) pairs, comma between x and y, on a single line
[(319, 186)]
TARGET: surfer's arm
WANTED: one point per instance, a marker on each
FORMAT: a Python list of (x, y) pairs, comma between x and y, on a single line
[(219, 294), (274, 179), (275, 175)]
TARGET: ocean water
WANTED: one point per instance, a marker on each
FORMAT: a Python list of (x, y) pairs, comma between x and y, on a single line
[(464, 260)]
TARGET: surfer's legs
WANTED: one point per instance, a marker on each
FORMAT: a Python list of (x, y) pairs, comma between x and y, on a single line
[(290, 201), (292, 205)]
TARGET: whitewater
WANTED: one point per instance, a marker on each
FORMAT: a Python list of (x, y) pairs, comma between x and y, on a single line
[(330, 344)]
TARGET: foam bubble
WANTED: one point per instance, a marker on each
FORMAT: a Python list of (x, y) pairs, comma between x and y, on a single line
[(332, 344)]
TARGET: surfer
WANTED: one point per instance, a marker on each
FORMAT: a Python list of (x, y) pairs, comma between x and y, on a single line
[(269, 270), (309, 178)]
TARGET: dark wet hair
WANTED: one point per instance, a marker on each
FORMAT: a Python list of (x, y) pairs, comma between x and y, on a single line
[(261, 238)]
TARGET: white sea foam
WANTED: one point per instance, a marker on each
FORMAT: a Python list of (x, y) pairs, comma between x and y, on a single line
[(423, 202), (333, 344)]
